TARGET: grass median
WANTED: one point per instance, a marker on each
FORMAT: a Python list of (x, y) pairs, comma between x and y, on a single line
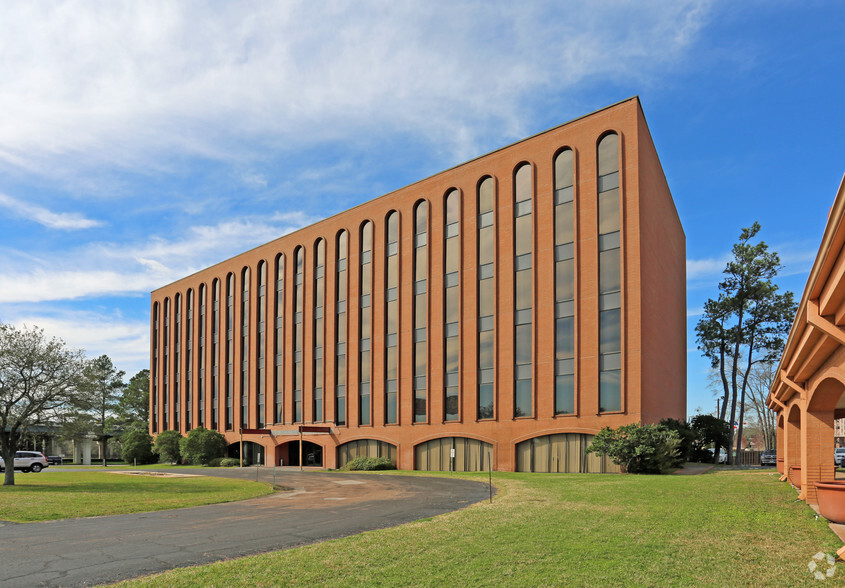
[(50, 495), (728, 528)]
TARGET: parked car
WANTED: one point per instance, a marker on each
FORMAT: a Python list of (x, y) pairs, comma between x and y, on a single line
[(769, 457), (723, 456), (54, 459), (27, 461), (839, 456)]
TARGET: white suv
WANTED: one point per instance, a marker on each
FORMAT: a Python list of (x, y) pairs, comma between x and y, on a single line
[(27, 461)]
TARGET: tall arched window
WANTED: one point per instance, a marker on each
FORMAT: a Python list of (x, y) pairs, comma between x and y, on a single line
[(279, 338), (391, 322), (366, 323), (261, 344), (340, 327), (564, 283), (177, 359), (486, 298), (420, 312), (230, 350), (610, 276), (154, 366), (201, 379), (165, 367), (319, 330), (189, 343), (243, 417), (298, 341), (523, 240), (452, 300), (216, 333)]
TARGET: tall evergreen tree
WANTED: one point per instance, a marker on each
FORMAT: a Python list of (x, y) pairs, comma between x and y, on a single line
[(133, 406), (101, 386), (747, 324)]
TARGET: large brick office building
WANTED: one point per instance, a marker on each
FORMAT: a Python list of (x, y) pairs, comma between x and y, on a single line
[(505, 309)]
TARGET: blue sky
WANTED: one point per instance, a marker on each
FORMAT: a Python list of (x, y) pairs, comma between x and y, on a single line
[(140, 142)]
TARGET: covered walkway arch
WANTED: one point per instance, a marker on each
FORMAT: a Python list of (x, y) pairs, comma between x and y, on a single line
[(808, 391)]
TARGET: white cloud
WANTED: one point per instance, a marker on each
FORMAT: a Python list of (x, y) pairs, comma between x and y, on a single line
[(106, 269), (796, 259), (52, 220), (711, 266), (127, 84), (125, 341), (698, 311)]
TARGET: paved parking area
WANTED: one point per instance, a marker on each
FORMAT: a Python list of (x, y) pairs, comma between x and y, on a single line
[(321, 506)]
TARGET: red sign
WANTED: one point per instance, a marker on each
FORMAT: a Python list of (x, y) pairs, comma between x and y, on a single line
[(255, 431), (314, 429)]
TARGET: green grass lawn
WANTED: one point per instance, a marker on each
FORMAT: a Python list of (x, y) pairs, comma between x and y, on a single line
[(728, 528), (52, 495)]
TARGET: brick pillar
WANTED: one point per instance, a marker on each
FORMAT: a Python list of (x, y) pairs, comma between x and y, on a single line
[(405, 456), (792, 437), (817, 454)]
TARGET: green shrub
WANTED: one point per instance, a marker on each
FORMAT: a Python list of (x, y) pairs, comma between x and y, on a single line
[(686, 437), (137, 445), (639, 449), (167, 446), (363, 463), (215, 463), (709, 430), (229, 462), (202, 445)]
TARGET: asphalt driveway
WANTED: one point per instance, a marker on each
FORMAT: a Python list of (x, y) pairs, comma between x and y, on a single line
[(321, 506)]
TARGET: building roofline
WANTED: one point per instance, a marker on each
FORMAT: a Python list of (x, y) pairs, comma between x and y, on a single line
[(834, 232), (420, 181)]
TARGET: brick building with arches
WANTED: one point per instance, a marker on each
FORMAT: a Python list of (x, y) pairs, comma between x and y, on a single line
[(498, 313), (807, 394)]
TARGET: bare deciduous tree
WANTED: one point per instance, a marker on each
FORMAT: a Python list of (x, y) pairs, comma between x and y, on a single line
[(760, 380)]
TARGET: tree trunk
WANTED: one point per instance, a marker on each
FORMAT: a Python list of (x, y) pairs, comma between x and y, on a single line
[(8, 446), (740, 422), (771, 435), (735, 368), (745, 376), (726, 388)]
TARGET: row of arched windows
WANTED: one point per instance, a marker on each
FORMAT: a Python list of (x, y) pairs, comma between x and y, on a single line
[(311, 302)]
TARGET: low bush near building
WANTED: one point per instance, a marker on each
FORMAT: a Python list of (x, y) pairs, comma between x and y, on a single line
[(202, 445), (167, 446), (229, 462), (639, 449), (137, 446), (368, 464)]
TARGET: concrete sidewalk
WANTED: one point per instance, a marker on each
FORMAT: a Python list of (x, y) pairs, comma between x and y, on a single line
[(693, 469)]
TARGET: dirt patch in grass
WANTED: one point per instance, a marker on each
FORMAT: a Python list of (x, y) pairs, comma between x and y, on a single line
[(153, 474)]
